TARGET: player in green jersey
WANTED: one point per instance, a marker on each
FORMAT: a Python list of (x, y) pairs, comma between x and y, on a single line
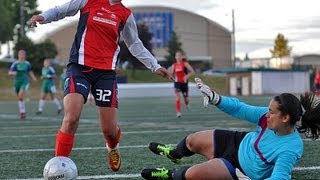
[(21, 69), (48, 86)]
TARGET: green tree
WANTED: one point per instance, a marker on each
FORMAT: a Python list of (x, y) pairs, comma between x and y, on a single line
[(173, 46), (280, 48), (13, 18), (125, 55), (36, 53), (6, 28), (29, 9)]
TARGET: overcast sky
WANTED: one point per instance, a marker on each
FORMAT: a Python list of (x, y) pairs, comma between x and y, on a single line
[(257, 22)]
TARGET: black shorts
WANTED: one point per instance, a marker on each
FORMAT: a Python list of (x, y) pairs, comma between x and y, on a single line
[(226, 146), (181, 87), (317, 87), (102, 84)]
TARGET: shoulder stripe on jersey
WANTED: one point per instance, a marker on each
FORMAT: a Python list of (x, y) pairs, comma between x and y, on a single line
[(74, 52)]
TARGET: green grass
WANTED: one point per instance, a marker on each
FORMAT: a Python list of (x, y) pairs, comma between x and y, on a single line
[(142, 120)]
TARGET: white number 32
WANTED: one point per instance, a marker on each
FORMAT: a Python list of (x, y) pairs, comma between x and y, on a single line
[(102, 95)]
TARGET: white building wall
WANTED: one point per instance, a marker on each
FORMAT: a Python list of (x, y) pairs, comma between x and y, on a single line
[(245, 86), (285, 82), (256, 84), (233, 86)]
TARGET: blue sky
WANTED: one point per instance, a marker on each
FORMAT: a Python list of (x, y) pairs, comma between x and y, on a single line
[(257, 22)]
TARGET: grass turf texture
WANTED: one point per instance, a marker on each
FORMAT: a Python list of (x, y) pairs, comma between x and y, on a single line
[(142, 119)]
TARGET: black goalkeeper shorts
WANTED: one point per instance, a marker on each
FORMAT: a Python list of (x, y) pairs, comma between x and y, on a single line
[(226, 146)]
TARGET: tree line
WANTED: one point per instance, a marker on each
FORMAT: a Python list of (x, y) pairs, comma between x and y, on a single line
[(15, 23)]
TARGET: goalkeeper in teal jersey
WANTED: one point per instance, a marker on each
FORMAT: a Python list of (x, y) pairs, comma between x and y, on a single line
[(21, 69), (269, 152), (48, 87)]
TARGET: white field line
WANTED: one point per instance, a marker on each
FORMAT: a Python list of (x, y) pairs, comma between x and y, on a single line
[(99, 133), (42, 118), (307, 168), (125, 176), (73, 149), (128, 132), (112, 176)]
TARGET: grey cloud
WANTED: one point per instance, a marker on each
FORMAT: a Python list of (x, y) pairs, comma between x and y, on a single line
[(312, 22), (249, 46)]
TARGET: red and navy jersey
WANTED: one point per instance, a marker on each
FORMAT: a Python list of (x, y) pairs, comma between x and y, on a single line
[(179, 71), (317, 78), (100, 26)]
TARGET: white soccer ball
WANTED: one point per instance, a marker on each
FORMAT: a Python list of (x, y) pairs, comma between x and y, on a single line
[(60, 168)]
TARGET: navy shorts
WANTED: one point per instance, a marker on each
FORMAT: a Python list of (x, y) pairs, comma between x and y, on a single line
[(318, 87), (226, 146), (181, 87), (102, 84)]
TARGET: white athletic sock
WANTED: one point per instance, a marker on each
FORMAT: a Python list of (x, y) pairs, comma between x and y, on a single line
[(22, 108), (41, 104), (56, 101)]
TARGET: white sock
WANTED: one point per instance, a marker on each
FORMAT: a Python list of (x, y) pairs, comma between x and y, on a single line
[(41, 104), (22, 108), (56, 101)]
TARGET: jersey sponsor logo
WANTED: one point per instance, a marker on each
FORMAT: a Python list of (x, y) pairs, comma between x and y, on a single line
[(103, 20), (113, 16), (66, 83), (80, 84)]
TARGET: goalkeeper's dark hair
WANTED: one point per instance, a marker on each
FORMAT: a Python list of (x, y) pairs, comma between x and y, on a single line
[(304, 113)]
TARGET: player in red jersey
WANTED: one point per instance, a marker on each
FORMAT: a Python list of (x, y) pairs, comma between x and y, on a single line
[(317, 82), (92, 63), (182, 70)]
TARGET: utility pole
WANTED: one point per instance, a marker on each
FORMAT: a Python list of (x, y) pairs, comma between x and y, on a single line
[(22, 17), (233, 41)]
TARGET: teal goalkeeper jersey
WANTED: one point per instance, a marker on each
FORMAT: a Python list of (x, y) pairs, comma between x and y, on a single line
[(262, 154), (22, 68)]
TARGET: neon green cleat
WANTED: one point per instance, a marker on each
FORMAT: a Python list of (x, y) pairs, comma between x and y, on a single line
[(163, 150), (157, 174)]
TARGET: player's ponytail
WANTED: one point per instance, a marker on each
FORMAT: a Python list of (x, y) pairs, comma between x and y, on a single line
[(310, 117)]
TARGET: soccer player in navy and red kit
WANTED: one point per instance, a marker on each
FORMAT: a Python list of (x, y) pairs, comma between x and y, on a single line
[(92, 63), (317, 82), (182, 71)]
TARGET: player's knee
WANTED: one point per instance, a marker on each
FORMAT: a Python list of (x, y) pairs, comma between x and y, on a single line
[(70, 126), (190, 143), (71, 120)]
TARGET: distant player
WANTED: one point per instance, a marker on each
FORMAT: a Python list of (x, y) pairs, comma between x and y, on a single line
[(48, 87), (317, 82), (182, 71), (21, 69)]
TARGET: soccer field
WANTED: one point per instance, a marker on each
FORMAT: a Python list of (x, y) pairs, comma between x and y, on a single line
[(26, 146)]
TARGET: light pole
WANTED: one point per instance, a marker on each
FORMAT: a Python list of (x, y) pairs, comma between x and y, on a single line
[(233, 41), (22, 22)]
